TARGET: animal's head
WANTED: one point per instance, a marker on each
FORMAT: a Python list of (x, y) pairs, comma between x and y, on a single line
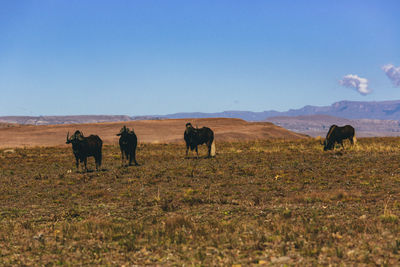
[(125, 131), (77, 136), (325, 144), (189, 128), (329, 144), (329, 140)]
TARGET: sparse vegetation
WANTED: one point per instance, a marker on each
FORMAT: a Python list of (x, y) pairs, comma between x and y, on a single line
[(257, 202)]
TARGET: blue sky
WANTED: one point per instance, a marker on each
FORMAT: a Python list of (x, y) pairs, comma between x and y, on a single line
[(159, 57)]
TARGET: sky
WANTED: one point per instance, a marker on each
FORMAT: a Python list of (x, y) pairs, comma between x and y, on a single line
[(69, 57)]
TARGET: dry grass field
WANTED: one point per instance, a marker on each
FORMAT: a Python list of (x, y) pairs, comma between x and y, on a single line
[(258, 202)]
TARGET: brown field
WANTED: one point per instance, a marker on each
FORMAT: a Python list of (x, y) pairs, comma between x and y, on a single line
[(274, 202), (151, 131)]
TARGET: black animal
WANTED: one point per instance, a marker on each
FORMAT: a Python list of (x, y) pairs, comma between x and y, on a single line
[(194, 137), (128, 144), (84, 147), (337, 134)]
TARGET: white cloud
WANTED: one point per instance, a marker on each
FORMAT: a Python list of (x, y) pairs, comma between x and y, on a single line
[(393, 73), (358, 83)]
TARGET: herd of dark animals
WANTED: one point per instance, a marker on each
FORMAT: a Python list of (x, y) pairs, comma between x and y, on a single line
[(91, 146)]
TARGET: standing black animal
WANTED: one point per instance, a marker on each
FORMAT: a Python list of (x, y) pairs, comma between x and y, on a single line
[(128, 144), (84, 147), (194, 137), (337, 134)]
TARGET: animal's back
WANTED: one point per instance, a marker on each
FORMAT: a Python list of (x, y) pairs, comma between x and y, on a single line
[(349, 130), (94, 144), (206, 135), (94, 139)]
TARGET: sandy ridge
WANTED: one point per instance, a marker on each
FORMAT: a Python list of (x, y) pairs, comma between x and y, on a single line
[(148, 131)]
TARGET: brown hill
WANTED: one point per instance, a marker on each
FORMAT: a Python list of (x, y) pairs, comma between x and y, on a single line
[(150, 131)]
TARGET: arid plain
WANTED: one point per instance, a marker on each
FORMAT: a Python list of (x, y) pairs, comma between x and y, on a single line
[(148, 131), (269, 197)]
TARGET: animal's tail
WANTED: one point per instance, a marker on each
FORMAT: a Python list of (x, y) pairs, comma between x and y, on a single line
[(100, 157), (213, 151)]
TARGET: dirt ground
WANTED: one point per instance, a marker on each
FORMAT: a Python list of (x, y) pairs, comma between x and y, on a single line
[(271, 202)]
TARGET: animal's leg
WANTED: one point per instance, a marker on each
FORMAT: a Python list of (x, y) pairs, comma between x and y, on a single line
[(134, 157), (96, 161), (351, 141), (77, 164), (197, 152), (341, 143), (187, 151), (122, 157), (127, 158), (100, 158), (209, 149), (85, 162), (130, 159)]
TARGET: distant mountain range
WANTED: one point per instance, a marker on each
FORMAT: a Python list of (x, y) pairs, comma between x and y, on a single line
[(383, 110), (49, 120), (364, 115)]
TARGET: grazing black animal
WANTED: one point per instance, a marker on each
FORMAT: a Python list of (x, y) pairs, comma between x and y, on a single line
[(337, 134), (128, 144), (194, 137), (84, 147)]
